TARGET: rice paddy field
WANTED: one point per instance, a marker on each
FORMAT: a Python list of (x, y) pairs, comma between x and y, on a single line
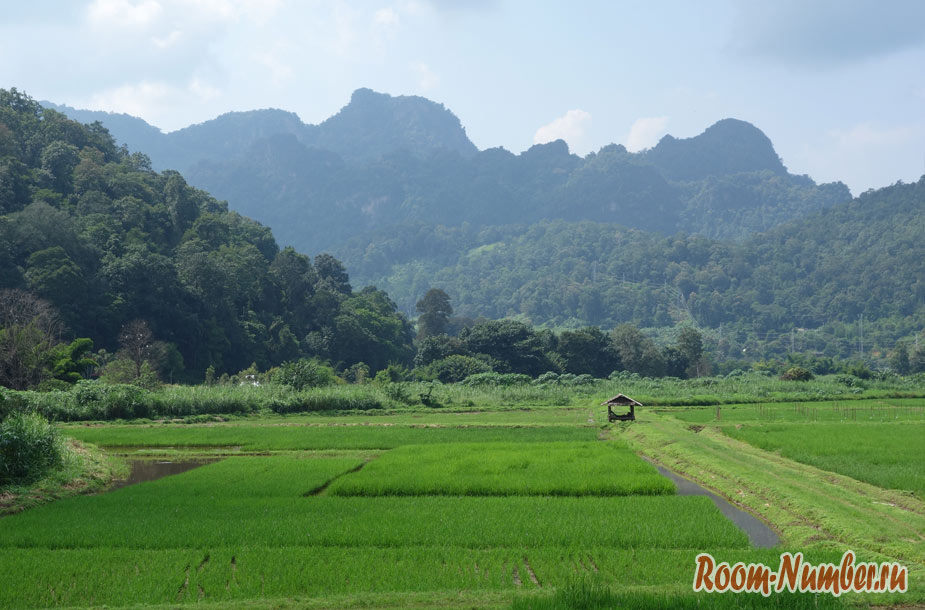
[(529, 508), (881, 442)]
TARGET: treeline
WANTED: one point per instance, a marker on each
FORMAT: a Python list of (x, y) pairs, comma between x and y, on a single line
[(94, 244)]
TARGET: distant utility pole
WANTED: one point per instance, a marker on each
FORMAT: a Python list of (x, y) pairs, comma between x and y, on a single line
[(791, 340)]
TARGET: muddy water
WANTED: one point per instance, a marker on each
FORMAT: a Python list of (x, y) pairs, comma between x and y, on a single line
[(151, 470), (760, 535)]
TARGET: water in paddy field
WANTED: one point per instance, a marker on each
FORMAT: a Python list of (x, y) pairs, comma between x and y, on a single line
[(759, 535), (153, 469)]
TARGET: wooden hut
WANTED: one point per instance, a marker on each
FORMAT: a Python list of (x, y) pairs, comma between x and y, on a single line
[(621, 401)]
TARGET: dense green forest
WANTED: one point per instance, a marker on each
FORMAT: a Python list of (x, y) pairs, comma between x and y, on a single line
[(386, 161), (103, 247), (802, 286)]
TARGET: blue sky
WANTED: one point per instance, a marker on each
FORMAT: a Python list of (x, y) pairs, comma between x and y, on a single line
[(838, 86)]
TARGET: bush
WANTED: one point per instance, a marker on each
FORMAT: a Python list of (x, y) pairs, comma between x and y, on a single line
[(455, 368), (29, 448), (303, 373), (797, 373)]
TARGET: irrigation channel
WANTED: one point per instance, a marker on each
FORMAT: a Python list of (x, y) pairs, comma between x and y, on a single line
[(759, 534)]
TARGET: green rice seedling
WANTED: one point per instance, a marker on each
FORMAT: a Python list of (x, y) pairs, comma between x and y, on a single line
[(501, 469), (861, 411), (248, 477), (159, 516), (38, 578), (264, 438), (591, 594), (887, 455)]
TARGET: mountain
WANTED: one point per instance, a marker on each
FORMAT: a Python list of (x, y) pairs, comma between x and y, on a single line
[(369, 126), (374, 124), (389, 161), (727, 147)]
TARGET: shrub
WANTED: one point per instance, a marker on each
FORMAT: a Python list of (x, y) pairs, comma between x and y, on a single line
[(303, 373), (29, 448), (797, 373), (455, 368)]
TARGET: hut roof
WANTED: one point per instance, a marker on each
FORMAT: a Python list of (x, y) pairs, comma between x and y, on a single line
[(621, 400)]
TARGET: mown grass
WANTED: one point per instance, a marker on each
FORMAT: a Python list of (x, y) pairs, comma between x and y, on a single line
[(266, 438), (889, 455), (505, 469)]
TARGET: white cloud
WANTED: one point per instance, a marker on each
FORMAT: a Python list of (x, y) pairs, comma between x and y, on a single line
[(427, 80), (646, 132), (279, 70), (852, 155), (154, 101), (122, 13), (386, 18), (162, 42), (571, 127)]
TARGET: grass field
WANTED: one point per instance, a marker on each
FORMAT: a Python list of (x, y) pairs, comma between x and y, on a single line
[(505, 469)]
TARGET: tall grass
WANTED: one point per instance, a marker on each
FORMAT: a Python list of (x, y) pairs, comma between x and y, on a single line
[(91, 400), (29, 448)]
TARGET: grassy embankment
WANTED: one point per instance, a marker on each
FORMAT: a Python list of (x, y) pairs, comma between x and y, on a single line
[(84, 469), (811, 507)]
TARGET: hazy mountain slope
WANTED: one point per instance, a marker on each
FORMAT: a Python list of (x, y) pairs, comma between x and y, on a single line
[(865, 257), (406, 159)]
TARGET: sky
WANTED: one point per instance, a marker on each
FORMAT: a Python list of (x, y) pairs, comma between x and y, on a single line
[(838, 85)]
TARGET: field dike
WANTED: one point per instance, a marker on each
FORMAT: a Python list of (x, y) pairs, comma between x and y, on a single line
[(808, 507)]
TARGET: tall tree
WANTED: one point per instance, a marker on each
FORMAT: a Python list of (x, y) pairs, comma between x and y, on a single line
[(435, 310), (29, 331)]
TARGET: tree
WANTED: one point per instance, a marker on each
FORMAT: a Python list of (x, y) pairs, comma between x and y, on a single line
[(638, 353), (435, 310), (511, 344), (588, 350), (136, 342), (690, 344), (332, 273), (899, 359), (29, 330)]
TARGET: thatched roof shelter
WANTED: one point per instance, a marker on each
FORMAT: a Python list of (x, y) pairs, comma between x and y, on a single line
[(621, 400)]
